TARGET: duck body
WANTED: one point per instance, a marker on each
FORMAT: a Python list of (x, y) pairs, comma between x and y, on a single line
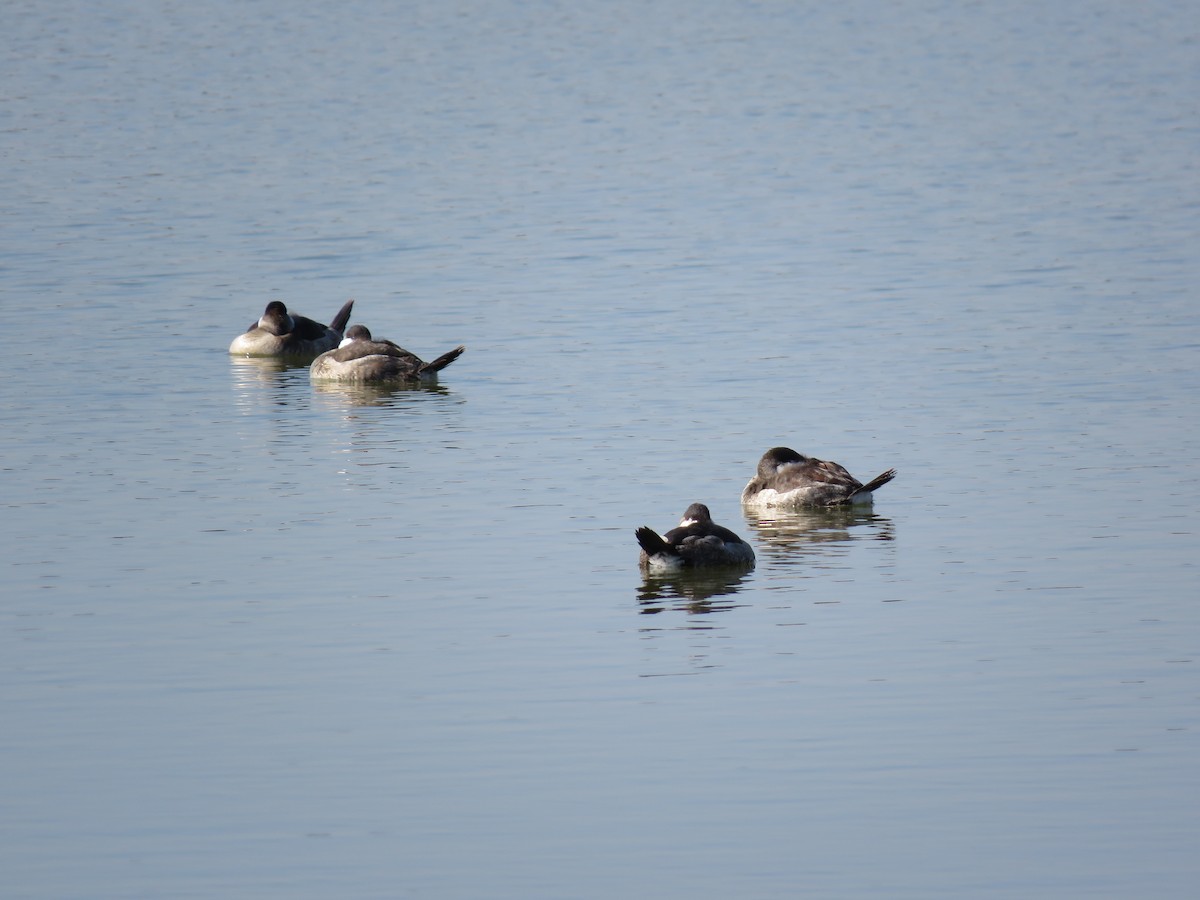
[(789, 479), (279, 333), (362, 359), (696, 542)]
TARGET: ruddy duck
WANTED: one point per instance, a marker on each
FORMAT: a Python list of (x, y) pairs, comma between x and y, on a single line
[(362, 359), (280, 333), (790, 479), (696, 542)]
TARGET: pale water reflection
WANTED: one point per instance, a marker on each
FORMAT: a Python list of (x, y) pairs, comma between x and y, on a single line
[(275, 381), (393, 396), (812, 538)]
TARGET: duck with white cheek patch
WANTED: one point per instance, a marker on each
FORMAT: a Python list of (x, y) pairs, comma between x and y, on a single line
[(696, 542), (363, 359)]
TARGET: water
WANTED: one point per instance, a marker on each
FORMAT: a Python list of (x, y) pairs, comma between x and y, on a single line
[(260, 639)]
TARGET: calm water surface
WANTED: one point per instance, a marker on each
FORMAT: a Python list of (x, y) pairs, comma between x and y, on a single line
[(261, 639)]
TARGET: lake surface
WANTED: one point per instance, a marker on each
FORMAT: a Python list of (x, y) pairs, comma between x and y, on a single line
[(260, 639)]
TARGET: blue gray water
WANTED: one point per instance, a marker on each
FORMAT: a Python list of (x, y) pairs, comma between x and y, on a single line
[(262, 640)]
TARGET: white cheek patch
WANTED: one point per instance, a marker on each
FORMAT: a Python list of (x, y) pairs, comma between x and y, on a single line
[(686, 523), (345, 342)]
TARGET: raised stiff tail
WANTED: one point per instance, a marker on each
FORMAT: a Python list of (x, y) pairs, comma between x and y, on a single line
[(342, 317), (652, 542), (444, 360), (877, 482)]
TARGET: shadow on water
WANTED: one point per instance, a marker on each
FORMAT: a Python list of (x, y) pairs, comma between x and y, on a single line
[(694, 592), (795, 535)]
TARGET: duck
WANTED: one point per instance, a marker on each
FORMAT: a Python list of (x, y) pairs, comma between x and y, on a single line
[(696, 542), (280, 333), (789, 479), (363, 359)]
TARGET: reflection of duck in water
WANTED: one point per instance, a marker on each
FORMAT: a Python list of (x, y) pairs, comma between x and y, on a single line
[(265, 369), (360, 359), (823, 531), (790, 479), (696, 542), (395, 393), (691, 590), (261, 382), (280, 333)]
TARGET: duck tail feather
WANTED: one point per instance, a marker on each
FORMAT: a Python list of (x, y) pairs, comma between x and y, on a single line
[(444, 360), (342, 317), (652, 542), (877, 482)]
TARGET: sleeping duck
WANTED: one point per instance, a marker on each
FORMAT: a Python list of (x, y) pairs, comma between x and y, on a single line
[(280, 333), (789, 479), (362, 359), (695, 542)]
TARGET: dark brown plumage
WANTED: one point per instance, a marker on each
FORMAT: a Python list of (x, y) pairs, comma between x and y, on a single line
[(696, 542)]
